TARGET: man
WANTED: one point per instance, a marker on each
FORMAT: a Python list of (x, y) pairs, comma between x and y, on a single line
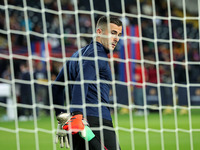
[(25, 93), (84, 95)]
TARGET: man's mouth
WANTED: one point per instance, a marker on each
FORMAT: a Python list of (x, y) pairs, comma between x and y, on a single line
[(113, 44)]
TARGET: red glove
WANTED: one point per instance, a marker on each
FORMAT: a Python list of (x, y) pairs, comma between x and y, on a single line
[(75, 124)]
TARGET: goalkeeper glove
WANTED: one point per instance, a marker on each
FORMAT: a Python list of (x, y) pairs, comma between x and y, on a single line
[(61, 134), (78, 124), (75, 124)]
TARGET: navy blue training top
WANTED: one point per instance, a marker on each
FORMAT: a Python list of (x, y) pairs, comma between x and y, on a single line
[(88, 72)]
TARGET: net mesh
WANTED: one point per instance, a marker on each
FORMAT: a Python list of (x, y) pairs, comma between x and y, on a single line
[(155, 94)]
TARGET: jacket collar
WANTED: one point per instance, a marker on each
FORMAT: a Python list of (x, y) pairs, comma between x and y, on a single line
[(102, 47)]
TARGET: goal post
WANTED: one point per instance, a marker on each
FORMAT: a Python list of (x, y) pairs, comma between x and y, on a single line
[(155, 91)]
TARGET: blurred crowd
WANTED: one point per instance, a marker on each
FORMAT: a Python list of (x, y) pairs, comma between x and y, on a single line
[(165, 47)]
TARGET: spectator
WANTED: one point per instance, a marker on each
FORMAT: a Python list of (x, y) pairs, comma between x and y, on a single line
[(7, 73), (180, 77), (166, 91), (138, 88), (40, 74), (25, 94)]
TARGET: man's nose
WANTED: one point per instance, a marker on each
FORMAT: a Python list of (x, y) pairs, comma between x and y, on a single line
[(116, 38)]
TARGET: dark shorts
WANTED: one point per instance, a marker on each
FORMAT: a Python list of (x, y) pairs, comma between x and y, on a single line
[(108, 140)]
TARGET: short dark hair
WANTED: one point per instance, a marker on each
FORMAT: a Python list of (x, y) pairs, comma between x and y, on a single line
[(104, 20)]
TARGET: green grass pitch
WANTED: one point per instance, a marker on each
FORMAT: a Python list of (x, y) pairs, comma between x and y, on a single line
[(146, 132)]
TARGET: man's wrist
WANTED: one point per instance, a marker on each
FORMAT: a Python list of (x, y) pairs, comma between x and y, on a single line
[(76, 113)]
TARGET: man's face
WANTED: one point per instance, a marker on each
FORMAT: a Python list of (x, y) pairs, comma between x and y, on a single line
[(110, 37)]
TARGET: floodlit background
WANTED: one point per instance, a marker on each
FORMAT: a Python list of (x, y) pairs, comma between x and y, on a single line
[(155, 96)]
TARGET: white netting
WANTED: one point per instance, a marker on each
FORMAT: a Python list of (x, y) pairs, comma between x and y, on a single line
[(155, 94)]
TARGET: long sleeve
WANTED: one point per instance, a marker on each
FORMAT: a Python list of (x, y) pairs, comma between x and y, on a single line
[(58, 92), (81, 78), (89, 73)]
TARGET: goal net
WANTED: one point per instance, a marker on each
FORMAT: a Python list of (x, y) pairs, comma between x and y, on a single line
[(155, 88)]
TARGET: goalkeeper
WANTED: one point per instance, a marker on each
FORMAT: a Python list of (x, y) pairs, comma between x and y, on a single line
[(76, 69)]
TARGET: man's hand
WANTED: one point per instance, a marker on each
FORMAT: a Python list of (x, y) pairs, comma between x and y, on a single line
[(61, 134), (75, 125)]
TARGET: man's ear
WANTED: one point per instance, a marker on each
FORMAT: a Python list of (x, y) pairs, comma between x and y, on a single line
[(99, 31)]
